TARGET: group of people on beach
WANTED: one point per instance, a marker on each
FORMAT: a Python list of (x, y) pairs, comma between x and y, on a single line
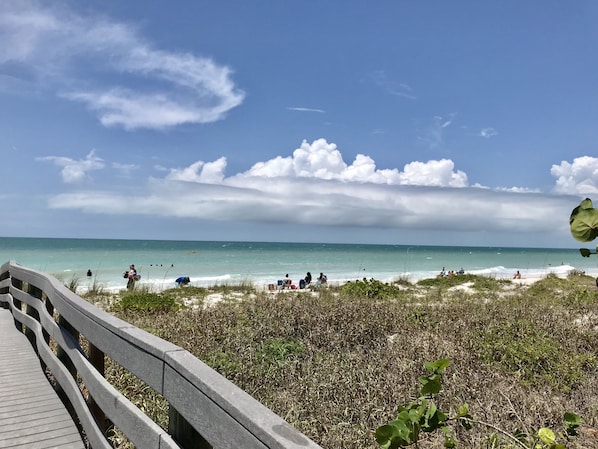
[(132, 276), (447, 274), (303, 283)]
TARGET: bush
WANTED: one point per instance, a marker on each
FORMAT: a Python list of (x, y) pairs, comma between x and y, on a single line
[(147, 302), (371, 289), (524, 350)]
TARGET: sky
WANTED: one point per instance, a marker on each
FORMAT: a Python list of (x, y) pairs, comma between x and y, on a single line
[(340, 121)]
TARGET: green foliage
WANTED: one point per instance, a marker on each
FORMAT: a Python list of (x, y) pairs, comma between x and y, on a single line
[(372, 289), (223, 362), (147, 302), (186, 292), (422, 415), (523, 349), (278, 350), (361, 357), (148, 400), (245, 286), (479, 282), (583, 222)]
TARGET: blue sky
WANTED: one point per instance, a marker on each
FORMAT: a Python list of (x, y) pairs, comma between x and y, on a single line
[(458, 123)]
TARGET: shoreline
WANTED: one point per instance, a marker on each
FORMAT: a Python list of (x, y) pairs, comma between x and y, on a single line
[(525, 280)]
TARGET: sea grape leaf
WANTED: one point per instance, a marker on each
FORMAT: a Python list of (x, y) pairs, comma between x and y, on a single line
[(584, 222), (546, 435)]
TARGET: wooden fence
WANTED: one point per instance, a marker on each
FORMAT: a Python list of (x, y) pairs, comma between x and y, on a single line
[(72, 339)]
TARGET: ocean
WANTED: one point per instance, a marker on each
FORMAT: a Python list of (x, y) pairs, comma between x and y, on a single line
[(160, 262)]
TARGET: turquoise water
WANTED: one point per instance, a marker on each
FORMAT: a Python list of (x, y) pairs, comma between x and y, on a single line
[(160, 262)]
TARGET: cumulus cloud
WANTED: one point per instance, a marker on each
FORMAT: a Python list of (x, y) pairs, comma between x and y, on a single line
[(579, 177), (57, 46), (200, 172), (75, 171), (323, 160), (314, 186)]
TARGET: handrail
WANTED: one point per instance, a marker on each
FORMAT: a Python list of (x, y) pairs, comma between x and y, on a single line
[(205, 409)]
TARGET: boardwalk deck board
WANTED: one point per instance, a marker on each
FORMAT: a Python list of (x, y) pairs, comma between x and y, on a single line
[(31, 414)]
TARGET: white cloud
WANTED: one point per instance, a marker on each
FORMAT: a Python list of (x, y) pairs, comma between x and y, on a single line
[(433, 136), (323, 160), (321, 111), (309, 201), (579, 177), (398, 89), (314, 186), (74, 171), (488, 132), (172, 88), (125, 169), (433, 173), (200, 172)]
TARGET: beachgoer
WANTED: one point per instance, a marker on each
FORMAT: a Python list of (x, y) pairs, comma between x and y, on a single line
[(442, 273), (89, 274), (287, 281), (132, 277), (461, 271), (517, 275), (308, 278), (322, 279), (182, 281)]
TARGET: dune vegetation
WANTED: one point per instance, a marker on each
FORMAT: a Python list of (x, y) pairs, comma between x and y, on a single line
[(338, 362)]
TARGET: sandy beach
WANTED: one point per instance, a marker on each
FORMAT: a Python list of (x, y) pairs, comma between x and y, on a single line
[(213, 298)]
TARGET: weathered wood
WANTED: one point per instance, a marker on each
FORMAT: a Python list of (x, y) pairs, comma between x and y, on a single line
[(97, 359), (31, 414), (205, 409)]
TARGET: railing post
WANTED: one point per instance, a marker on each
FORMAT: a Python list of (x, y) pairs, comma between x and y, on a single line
[(184, 434), (4, 290), (96, 358), (17, 303), (61, 353), (32, 312), (50, 310)]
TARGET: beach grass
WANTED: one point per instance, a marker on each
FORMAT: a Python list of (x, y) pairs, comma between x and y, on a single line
[(337, 362)]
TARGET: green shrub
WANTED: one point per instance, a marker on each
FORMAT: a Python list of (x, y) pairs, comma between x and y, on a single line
[(278, 350), (479, 282), (186, 292), (523, 349), (371, 289), (147, 302)]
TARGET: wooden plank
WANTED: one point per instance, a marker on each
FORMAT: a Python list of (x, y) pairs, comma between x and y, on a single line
[(31, 414)]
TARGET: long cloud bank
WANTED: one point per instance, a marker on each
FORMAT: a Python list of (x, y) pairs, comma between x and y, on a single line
[(314, 186)]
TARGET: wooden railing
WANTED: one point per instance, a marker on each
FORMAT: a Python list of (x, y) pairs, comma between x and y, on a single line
[(205, 409)]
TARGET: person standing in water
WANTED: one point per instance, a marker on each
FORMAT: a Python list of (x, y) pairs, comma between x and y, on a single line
[(132, 277)]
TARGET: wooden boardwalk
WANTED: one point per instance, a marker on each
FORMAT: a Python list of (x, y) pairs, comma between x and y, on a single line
[(31, 414)]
